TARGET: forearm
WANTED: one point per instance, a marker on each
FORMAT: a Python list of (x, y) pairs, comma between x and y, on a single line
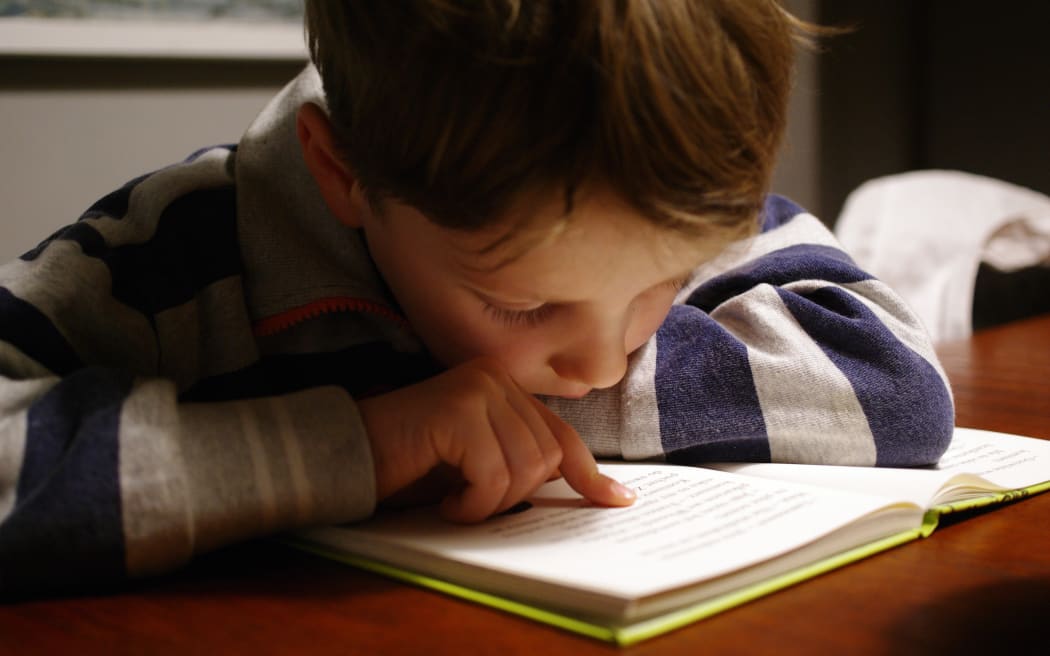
[(808, 374), (119, 479), (248, 468)]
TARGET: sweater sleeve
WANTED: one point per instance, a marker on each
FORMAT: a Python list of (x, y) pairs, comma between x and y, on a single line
[(105, 470), (781, 349)]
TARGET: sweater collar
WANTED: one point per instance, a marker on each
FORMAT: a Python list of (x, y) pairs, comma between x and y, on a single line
[(297, 255)]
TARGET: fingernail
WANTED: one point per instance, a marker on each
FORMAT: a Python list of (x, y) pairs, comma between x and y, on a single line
[(624, 491)]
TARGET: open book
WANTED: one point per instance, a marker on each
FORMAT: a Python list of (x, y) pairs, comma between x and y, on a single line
[(697, 541)]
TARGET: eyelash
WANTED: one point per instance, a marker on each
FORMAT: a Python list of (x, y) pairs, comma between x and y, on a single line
[(516, 318), (679, 283)]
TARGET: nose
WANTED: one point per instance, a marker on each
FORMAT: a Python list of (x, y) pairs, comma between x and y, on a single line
[(597, 359)]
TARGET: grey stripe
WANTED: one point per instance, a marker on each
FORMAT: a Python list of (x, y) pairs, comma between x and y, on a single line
[(596, 417), (155, 499), (262, 474), (207, 335), (641, 424), (276, 463), (811, 412), (299, 483), (622, 421), (68, 287), (329, 458), (151, 197)]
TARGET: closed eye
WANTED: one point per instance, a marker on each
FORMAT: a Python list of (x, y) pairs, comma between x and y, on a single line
[(537, 315), (520, 318)]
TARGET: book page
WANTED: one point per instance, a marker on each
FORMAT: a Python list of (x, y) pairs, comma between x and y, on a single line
[(976, 462), (1010, 461), (688, 524)]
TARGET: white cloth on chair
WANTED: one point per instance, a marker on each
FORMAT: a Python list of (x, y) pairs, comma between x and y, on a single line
[(925, 234)]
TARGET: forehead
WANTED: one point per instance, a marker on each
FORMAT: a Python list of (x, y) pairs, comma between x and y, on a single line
[(540, 250)]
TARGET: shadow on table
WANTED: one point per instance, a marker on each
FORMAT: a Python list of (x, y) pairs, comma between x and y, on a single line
[(1006, 617)]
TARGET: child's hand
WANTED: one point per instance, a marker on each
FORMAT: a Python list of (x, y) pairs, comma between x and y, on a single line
[(501, 440)]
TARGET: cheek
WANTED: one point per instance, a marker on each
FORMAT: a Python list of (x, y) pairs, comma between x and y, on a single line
[(458, 332), (648, 316), (524, 353), (520, 351), (455, 336)]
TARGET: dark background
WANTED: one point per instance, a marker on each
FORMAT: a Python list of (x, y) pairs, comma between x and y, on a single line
[(946, 84)]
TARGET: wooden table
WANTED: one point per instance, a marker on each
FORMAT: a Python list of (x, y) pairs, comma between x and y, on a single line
[(978, 585)]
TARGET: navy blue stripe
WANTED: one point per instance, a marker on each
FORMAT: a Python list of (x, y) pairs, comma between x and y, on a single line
[(363, 370), (113, 205), (83, 233), (708, 405), (777, 211), (29, 330), (195, 245), (66, 525), (908, 407), (780, 267)]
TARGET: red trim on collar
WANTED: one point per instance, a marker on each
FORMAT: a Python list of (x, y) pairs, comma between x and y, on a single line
[(276, 323)]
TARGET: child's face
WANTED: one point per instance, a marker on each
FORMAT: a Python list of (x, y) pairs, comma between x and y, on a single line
[(562, 317)]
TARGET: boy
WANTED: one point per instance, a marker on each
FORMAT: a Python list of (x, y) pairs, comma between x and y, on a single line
[(503, 234)]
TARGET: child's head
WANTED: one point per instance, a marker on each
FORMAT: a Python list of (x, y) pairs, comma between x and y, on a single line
[(460, 107), (642, 134)]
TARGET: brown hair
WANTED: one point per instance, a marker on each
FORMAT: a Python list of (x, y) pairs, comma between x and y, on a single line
[(459, 107)]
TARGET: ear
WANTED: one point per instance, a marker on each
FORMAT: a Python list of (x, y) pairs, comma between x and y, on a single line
[(334, 178)]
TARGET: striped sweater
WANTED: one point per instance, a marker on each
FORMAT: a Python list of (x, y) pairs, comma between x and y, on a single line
[(179, 366)]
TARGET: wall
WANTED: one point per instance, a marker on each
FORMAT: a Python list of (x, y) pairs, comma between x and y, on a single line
[(74, 129), (936, 84)]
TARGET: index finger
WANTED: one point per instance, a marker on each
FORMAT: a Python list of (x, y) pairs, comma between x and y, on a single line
[(579, 468)]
